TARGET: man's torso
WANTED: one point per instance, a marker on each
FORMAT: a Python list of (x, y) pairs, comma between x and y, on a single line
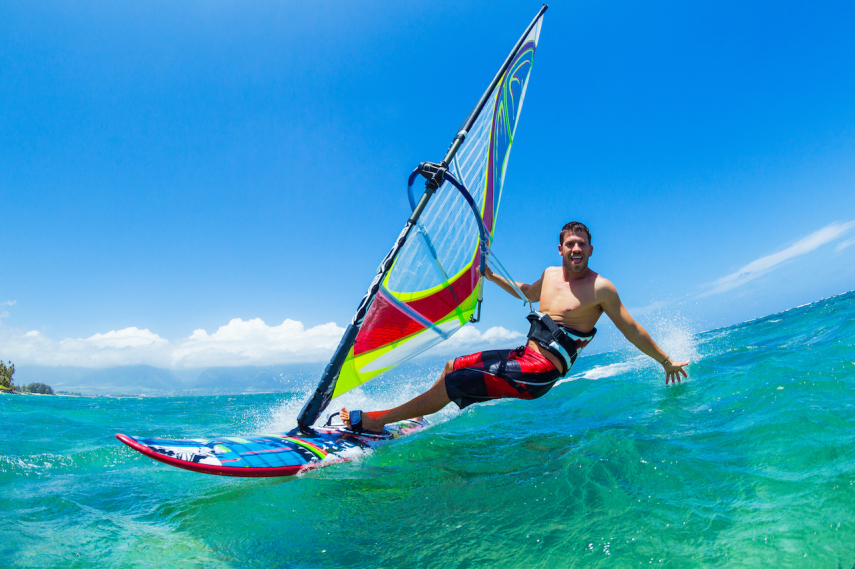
[(571, 303)]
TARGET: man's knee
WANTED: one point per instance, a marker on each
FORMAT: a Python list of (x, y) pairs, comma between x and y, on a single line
[(449, 367)]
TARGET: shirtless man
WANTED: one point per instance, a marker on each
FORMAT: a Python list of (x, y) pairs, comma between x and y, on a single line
[(572, 298)]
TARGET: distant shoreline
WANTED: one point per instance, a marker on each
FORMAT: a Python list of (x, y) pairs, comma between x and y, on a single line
[(15, 392)]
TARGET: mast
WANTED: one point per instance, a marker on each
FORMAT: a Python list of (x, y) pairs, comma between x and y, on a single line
[(435, 174)]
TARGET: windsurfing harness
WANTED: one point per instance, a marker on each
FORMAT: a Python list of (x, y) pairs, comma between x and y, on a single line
[(563, 342)]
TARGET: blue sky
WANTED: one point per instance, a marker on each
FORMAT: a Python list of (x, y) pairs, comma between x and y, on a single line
[(166, 168)]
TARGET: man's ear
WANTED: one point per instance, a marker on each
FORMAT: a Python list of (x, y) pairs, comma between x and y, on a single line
[(559, 250), (592, 250)]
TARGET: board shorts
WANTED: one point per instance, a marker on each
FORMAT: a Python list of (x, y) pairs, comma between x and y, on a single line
[(522, 373)]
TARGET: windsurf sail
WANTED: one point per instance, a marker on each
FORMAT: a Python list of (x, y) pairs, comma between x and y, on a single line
[(429, 285)]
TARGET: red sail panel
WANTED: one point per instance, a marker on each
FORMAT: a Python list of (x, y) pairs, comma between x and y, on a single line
[(385, 323)]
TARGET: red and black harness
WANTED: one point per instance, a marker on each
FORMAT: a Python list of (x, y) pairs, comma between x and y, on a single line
[(563, 342)]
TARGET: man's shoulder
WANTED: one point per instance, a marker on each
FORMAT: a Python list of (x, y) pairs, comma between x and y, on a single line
[(551, 273), (602, 285)]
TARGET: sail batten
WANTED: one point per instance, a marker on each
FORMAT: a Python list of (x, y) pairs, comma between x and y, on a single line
[(429, 285)]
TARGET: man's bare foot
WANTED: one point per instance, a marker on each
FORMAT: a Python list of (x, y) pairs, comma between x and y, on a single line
[(368, 424)]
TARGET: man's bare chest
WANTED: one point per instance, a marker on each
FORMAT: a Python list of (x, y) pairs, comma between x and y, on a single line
[(561, 297)]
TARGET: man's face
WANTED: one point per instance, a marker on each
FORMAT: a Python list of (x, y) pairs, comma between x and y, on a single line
[(575, 250)]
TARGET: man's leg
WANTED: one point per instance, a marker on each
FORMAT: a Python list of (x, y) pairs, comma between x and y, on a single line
[(428, 402)]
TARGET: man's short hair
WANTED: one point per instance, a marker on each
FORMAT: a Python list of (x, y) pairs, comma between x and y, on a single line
[(575, 227)]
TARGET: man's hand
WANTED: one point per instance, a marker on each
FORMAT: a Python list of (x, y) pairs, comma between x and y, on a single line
[(530, 292), (673, 371)]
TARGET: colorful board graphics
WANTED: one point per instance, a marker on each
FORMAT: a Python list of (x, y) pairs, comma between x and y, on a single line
[(432, 289), (276, 454)]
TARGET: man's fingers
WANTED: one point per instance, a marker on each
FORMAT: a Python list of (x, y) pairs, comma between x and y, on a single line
[(674, 376)]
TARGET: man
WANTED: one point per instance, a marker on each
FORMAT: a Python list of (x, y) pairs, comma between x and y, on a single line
[(572, 298)]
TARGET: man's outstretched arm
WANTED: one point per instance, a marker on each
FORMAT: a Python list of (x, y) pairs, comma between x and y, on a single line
[(637, 335), (531, 291)]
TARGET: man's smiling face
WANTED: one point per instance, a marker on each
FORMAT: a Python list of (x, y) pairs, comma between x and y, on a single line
[(575, 250)]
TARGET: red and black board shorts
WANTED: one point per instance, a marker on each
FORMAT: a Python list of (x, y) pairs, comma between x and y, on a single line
[(522, 373)]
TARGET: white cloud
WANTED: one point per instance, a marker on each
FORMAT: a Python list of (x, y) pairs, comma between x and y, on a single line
[(250, 342), (844, 244), (240, 342), (5, 313), (130, 346), (768, 263), (470, 338), (126, 338)]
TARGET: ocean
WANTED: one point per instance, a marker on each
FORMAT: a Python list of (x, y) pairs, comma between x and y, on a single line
[(749, 463)]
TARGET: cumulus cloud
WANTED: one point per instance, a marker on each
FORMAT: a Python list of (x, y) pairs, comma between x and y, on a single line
[(769, 263), (127, 338), (240, 342), (470, 338), (130, 346), (250, 342)]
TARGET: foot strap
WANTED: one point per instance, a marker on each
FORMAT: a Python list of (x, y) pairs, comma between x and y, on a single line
[(356, 424)]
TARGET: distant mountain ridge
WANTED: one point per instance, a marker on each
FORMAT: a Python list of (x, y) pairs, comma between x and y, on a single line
[(148, 380)]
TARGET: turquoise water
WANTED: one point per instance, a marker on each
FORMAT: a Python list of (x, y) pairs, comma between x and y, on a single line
[(749, 463)]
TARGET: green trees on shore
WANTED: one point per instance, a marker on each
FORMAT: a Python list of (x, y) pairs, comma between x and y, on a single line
[(38, 388), (6, 373)]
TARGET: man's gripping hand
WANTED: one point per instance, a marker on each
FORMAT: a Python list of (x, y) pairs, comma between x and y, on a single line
[(673, 370), (488, 272)]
